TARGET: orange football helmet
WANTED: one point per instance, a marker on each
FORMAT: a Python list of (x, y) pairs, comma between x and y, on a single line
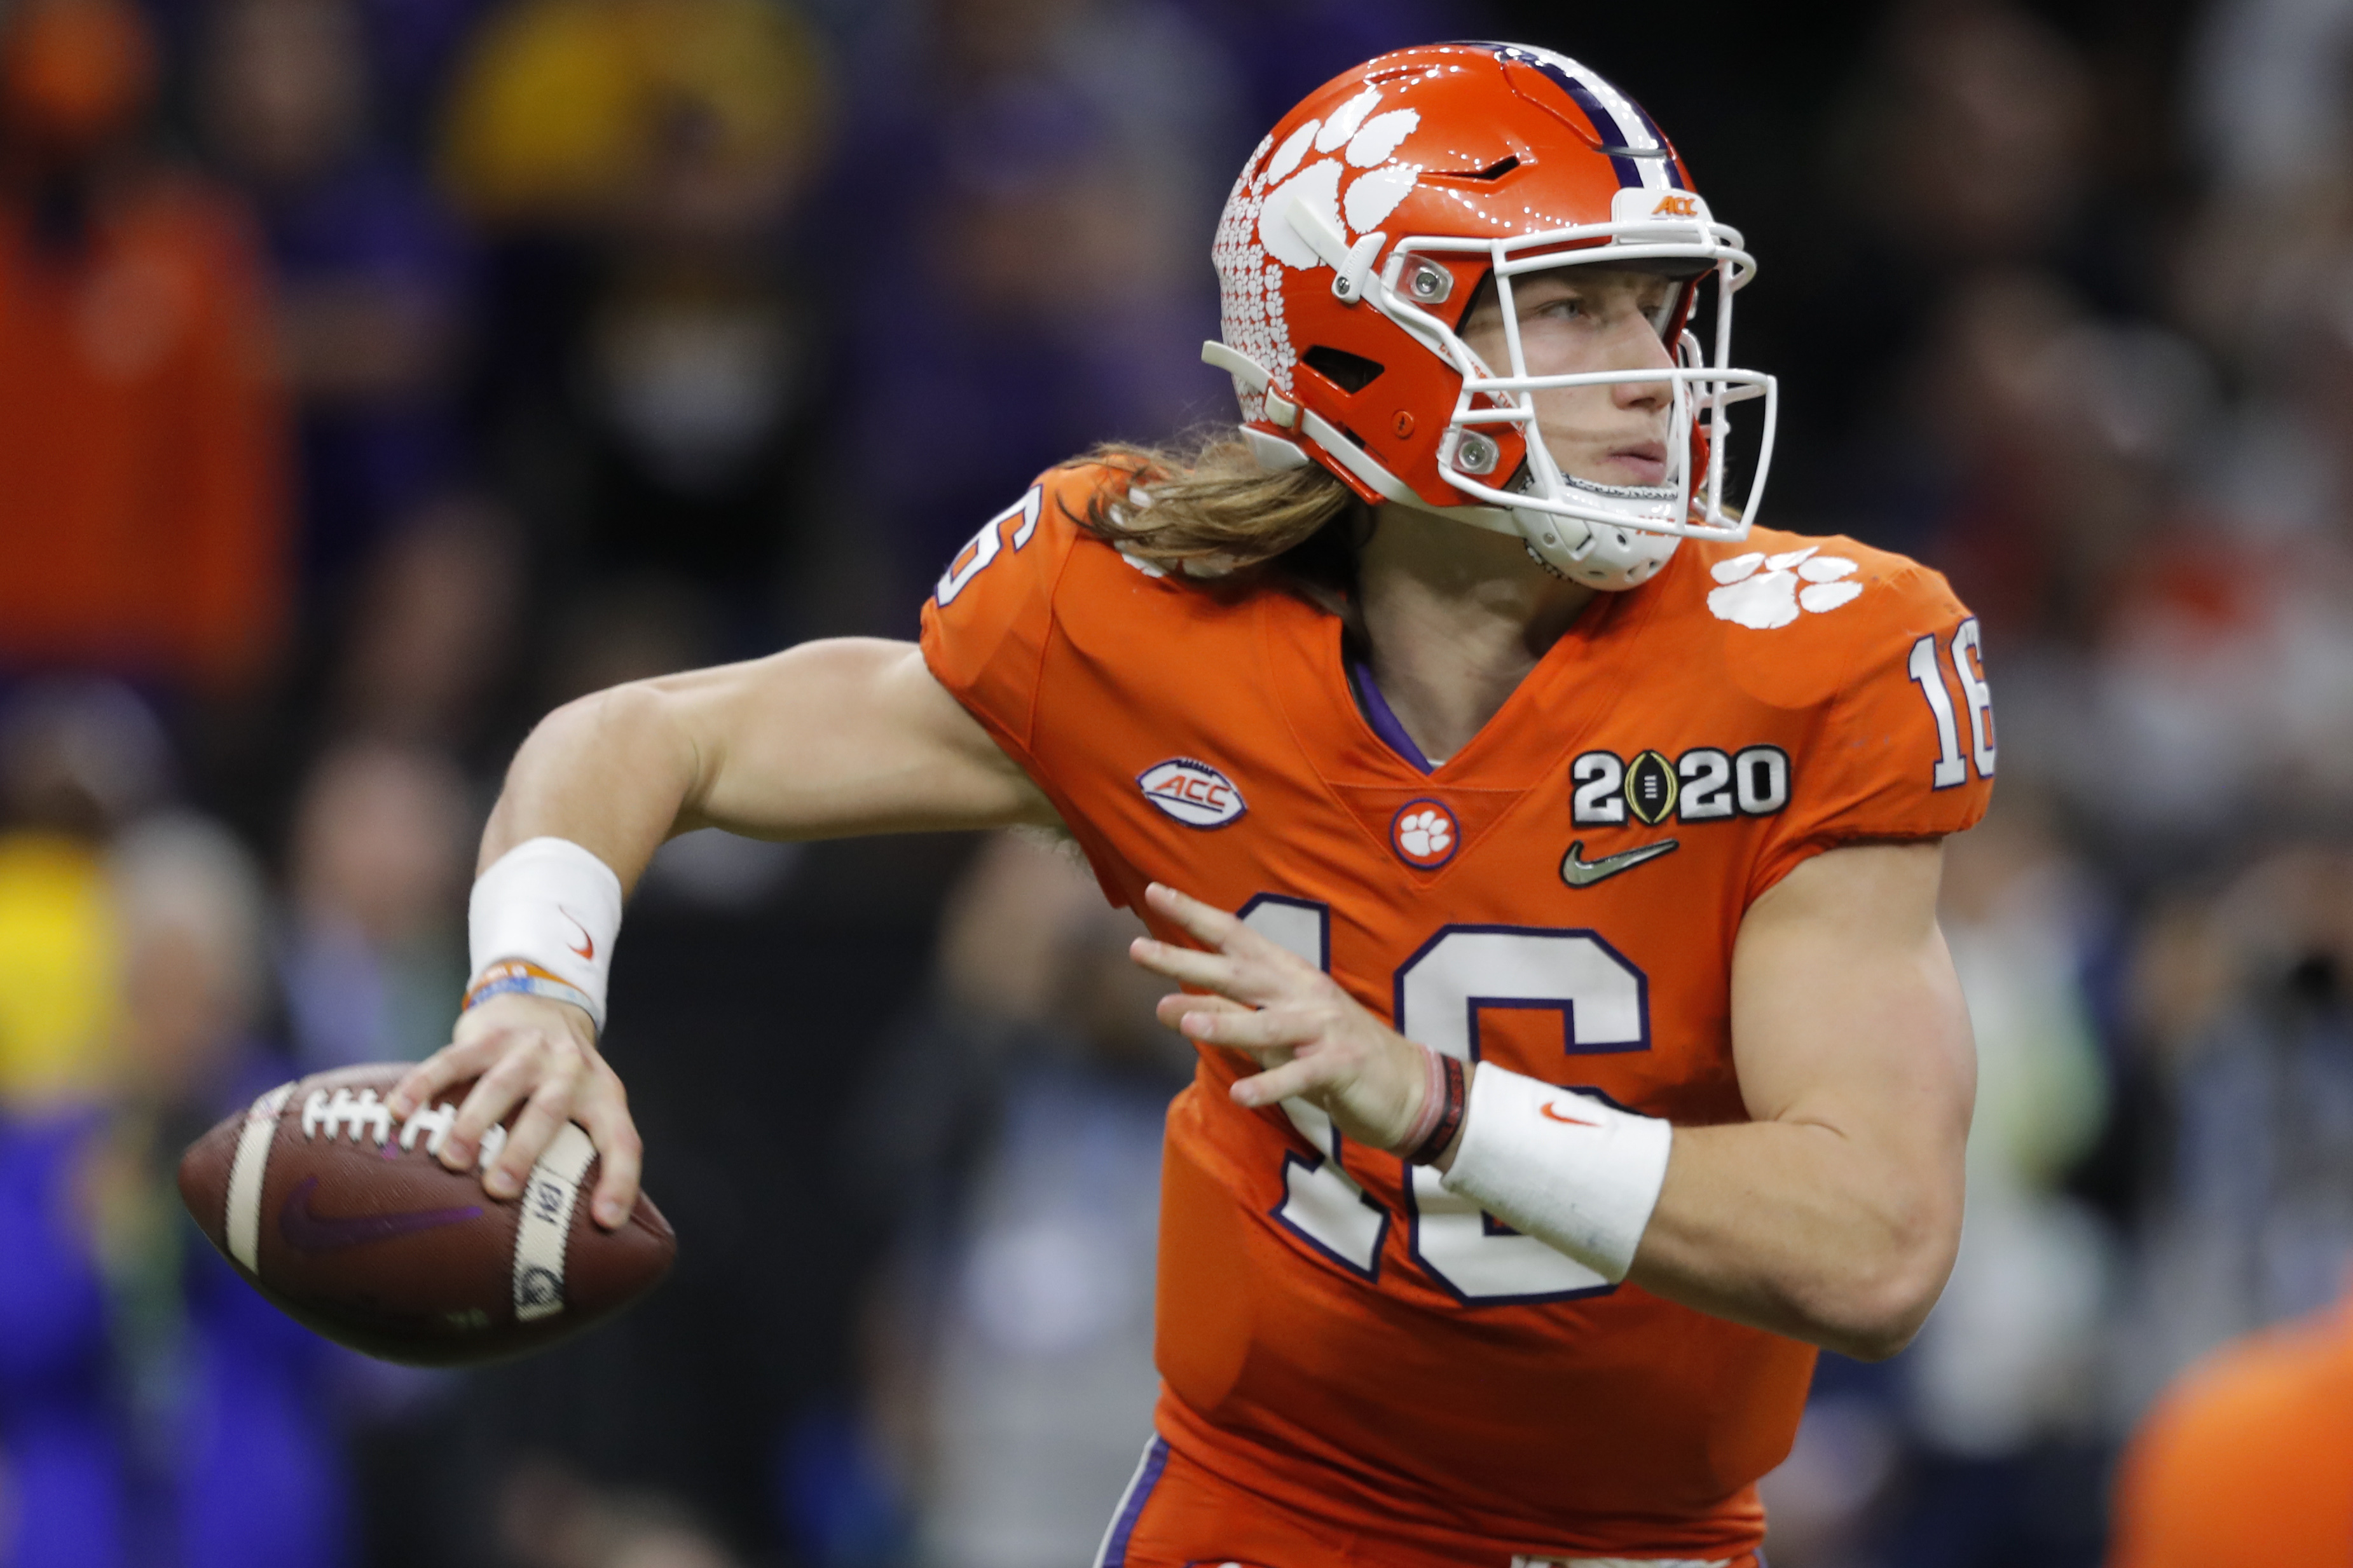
[(1487, 160)]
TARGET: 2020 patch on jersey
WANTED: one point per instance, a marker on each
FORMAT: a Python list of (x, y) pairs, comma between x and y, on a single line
[(1561, 895)]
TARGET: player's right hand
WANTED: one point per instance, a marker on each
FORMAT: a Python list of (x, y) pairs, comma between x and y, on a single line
[(1310, 1036), (541, 1055)]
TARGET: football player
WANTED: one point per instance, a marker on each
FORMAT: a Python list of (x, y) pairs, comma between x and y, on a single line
[(1546, 857)]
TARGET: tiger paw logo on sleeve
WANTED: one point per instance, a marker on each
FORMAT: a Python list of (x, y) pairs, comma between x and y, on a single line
[(1762, 592)]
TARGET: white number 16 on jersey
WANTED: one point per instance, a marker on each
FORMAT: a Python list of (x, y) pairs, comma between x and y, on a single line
[(1603, 1004)]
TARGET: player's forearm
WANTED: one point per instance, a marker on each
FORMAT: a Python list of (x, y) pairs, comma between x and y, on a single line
[(830, 739), (612, 772), (1791, 1227)]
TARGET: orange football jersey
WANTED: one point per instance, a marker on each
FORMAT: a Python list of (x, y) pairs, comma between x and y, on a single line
[(1336, 1332)]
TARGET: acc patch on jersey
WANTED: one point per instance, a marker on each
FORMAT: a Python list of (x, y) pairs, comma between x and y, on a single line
[(1424, 834), (1193, 792)]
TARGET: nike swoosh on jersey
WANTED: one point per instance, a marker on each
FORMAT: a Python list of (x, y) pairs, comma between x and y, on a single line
[(307, 1230), (1578, 872)]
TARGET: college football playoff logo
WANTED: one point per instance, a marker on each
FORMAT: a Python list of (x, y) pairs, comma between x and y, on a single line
[(1705, 783), (1650, 788)]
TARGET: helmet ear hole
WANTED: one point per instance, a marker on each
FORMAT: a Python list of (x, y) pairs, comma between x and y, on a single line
[(1350, 372)]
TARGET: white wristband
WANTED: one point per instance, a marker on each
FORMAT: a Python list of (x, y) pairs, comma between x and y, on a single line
[(551, 903), (1572, 1170)]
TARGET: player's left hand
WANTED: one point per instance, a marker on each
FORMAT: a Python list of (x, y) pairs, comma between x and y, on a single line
[(1312, 1037)]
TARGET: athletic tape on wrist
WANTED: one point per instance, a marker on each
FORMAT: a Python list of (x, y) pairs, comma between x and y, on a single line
[(1575, 1172), (550, 904)]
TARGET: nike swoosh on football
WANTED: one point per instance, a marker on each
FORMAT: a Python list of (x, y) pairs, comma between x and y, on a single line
[(307, 1230), (1579, 872)]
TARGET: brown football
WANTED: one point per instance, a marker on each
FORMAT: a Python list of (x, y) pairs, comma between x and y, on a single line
[(341, 1216)]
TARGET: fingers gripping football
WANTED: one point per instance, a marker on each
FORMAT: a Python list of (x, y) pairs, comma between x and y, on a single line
[(1312, 1039), (541, 1055)]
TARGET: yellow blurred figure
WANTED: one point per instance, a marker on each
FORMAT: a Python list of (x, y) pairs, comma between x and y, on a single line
[(59, 969), (569, 110)]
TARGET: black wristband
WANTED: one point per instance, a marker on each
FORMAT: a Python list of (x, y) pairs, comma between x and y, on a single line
[(1449, 1120)]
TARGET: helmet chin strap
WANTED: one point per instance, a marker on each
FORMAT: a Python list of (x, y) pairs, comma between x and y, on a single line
[(1599, 551), (1550, 569), (1597, 554), (1600, 554), (1651, 504)]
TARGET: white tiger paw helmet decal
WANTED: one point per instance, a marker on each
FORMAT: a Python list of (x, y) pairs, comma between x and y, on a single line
[(1762, 592), (1362, 141), (1489, 161)]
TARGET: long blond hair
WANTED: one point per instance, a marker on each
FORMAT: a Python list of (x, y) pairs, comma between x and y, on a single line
[(1205, 509)]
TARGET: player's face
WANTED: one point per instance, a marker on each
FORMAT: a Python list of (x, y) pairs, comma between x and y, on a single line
[(1580, 318)]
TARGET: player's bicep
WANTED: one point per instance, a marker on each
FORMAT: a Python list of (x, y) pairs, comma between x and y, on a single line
[(850, 735), (1846, 1013)]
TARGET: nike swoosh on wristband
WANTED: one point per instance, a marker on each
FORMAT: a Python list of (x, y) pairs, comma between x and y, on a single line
[(1579, 872), (589, 951), (307, 1230), (1553, 1115)]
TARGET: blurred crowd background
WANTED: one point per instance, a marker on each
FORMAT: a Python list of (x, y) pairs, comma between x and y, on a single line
[(375, 374)]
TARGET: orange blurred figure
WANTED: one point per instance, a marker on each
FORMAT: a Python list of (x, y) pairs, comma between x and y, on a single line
[(143, 462), (75, 74), (2248, 1459)]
